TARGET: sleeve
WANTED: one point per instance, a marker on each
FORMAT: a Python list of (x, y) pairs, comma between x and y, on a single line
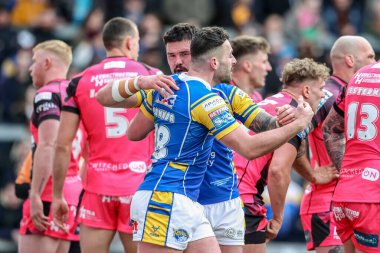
[(244, 108), (147, 105), (47, 105), (339, 102), (212, 112), (70, 104)]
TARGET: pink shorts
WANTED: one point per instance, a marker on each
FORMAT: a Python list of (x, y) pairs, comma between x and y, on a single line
[(106, 212), (320, 230), (358, 222), (27, 227)]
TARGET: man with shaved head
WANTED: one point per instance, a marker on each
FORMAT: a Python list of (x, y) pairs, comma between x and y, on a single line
[(348, 55)]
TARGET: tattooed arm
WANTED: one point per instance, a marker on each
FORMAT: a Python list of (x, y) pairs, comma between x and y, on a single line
[(333, 135), (263, 122)]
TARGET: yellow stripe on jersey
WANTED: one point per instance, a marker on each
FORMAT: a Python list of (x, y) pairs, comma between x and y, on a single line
[(214, 114), (141, 97), (147, 106), (180, 166), (244, 106)]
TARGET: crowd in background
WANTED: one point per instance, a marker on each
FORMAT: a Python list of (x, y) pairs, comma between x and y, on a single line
[(294, 28)]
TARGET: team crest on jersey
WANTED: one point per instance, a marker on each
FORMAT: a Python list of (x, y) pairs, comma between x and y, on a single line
[(181, 235), (167, 101)]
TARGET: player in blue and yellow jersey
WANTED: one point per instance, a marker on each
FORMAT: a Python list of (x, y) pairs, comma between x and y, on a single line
[(177, 42), (164, 210)]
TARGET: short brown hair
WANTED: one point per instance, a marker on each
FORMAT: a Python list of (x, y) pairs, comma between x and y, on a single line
[(243, 45), (299, 70), (115, 30), (58, 48)]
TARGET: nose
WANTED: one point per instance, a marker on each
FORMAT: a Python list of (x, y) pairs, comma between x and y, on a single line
[(269, 67)]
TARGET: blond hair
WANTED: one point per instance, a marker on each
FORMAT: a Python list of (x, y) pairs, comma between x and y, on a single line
[(297, 71), (57, 48)]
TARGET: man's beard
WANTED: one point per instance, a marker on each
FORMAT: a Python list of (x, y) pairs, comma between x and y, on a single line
[(180, 68)]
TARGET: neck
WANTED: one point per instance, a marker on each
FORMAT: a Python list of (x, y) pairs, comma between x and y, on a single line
[(242, 81), (292, 92), (55, 75), (202, 73), (118, 52), (344, 75)]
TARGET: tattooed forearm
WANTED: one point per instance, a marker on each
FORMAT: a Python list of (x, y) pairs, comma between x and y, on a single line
[(263, 122), (333, 135)]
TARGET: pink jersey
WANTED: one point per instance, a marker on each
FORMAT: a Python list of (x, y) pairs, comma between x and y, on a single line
[(317, 198), (116, 166), (359, 178), (47, 105), (239, 160), (252, 177)]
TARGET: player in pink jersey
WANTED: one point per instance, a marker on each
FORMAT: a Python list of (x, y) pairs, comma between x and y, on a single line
[(351, 137), (115, 166), (39, 233), (348, 54), (249, 73), (301, 78)]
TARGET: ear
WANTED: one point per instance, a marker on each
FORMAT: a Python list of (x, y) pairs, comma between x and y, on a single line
[(48, 62), (214, 63), (128, 42), (246, 66), (349, 60), (306, 91)]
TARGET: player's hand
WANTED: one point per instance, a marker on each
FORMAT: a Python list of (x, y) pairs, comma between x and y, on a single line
[(161, 83), (303, 113), (60, 211), (325, 174), (273, 227), (285, 114), (39, 220)]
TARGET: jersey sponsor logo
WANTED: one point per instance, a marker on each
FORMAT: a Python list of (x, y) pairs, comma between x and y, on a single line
[(43, 96), (115, 65), (213, 103), (154, 231), (221, 181), (220, 117), (241, 93), (338, 213), (370, 174), (351, 214), (366, 78), (168, 101), (163, 115), (138, 167), (369, 240), (180, 235), (134, 224), (45, 107)]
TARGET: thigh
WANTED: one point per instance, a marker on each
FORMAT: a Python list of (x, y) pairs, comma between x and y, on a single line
[(129, 245), (205, 245), (38, 243), (95, 240)]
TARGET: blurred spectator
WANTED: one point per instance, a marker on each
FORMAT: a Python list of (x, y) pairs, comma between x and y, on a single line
[(8, 34), (262, 9), (26, 12), (343, 17), (372, 24)]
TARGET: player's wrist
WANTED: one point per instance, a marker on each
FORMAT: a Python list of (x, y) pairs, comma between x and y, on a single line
[(123, 89)]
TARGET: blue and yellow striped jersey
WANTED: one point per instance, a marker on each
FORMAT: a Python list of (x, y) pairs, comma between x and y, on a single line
[(220, 182), (183, 124)]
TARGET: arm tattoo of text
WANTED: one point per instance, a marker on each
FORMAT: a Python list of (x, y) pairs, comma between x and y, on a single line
[(263, 122), (333, 135)]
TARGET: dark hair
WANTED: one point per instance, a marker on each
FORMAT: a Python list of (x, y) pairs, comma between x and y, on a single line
[(206, 39), (179, 32), (115, 30), (243, 45)]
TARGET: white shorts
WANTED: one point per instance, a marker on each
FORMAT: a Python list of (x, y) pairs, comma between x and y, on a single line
[(167, 219), (227, 221)]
